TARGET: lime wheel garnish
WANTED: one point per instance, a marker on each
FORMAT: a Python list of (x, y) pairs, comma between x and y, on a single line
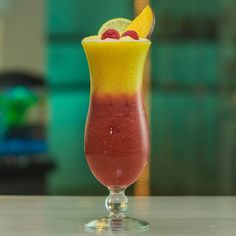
[(119, 24)]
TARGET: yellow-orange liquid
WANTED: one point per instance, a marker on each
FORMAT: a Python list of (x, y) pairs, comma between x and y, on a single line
[(116, 67)]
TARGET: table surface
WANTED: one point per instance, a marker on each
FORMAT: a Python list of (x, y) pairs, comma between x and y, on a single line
[(56, 216)]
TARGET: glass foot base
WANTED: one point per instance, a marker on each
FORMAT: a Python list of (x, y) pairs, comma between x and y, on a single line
[(115, 224)]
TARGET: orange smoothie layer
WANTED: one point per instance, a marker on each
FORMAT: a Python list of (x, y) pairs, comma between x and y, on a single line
[(116, 66)]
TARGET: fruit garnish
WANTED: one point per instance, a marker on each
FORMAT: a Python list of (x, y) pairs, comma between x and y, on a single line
[(131, 33), (144, 23), (119, 24), (111, 34)]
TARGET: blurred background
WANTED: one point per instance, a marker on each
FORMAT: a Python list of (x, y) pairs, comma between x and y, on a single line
[(44, 96)]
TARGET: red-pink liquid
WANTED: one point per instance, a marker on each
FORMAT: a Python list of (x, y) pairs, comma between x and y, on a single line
[(116, 138)]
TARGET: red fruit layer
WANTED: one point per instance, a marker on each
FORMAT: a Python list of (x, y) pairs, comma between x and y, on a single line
[(116, 139)]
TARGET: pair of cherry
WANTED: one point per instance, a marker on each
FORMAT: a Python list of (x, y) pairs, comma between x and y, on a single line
[(114, 34)]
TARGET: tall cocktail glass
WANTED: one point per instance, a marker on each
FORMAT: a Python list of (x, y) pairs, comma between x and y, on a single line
[(116, 132)]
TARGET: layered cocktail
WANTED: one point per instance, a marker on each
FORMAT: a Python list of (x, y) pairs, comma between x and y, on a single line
[(116, 134)]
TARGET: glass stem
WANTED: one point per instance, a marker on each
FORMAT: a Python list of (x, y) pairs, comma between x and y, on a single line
[(116, 203)]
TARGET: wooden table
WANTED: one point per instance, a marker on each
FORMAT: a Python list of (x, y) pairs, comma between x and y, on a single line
[(57, 216)]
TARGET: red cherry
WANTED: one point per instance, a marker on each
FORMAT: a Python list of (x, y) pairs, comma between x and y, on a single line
[(131, 33), (111, 34)]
